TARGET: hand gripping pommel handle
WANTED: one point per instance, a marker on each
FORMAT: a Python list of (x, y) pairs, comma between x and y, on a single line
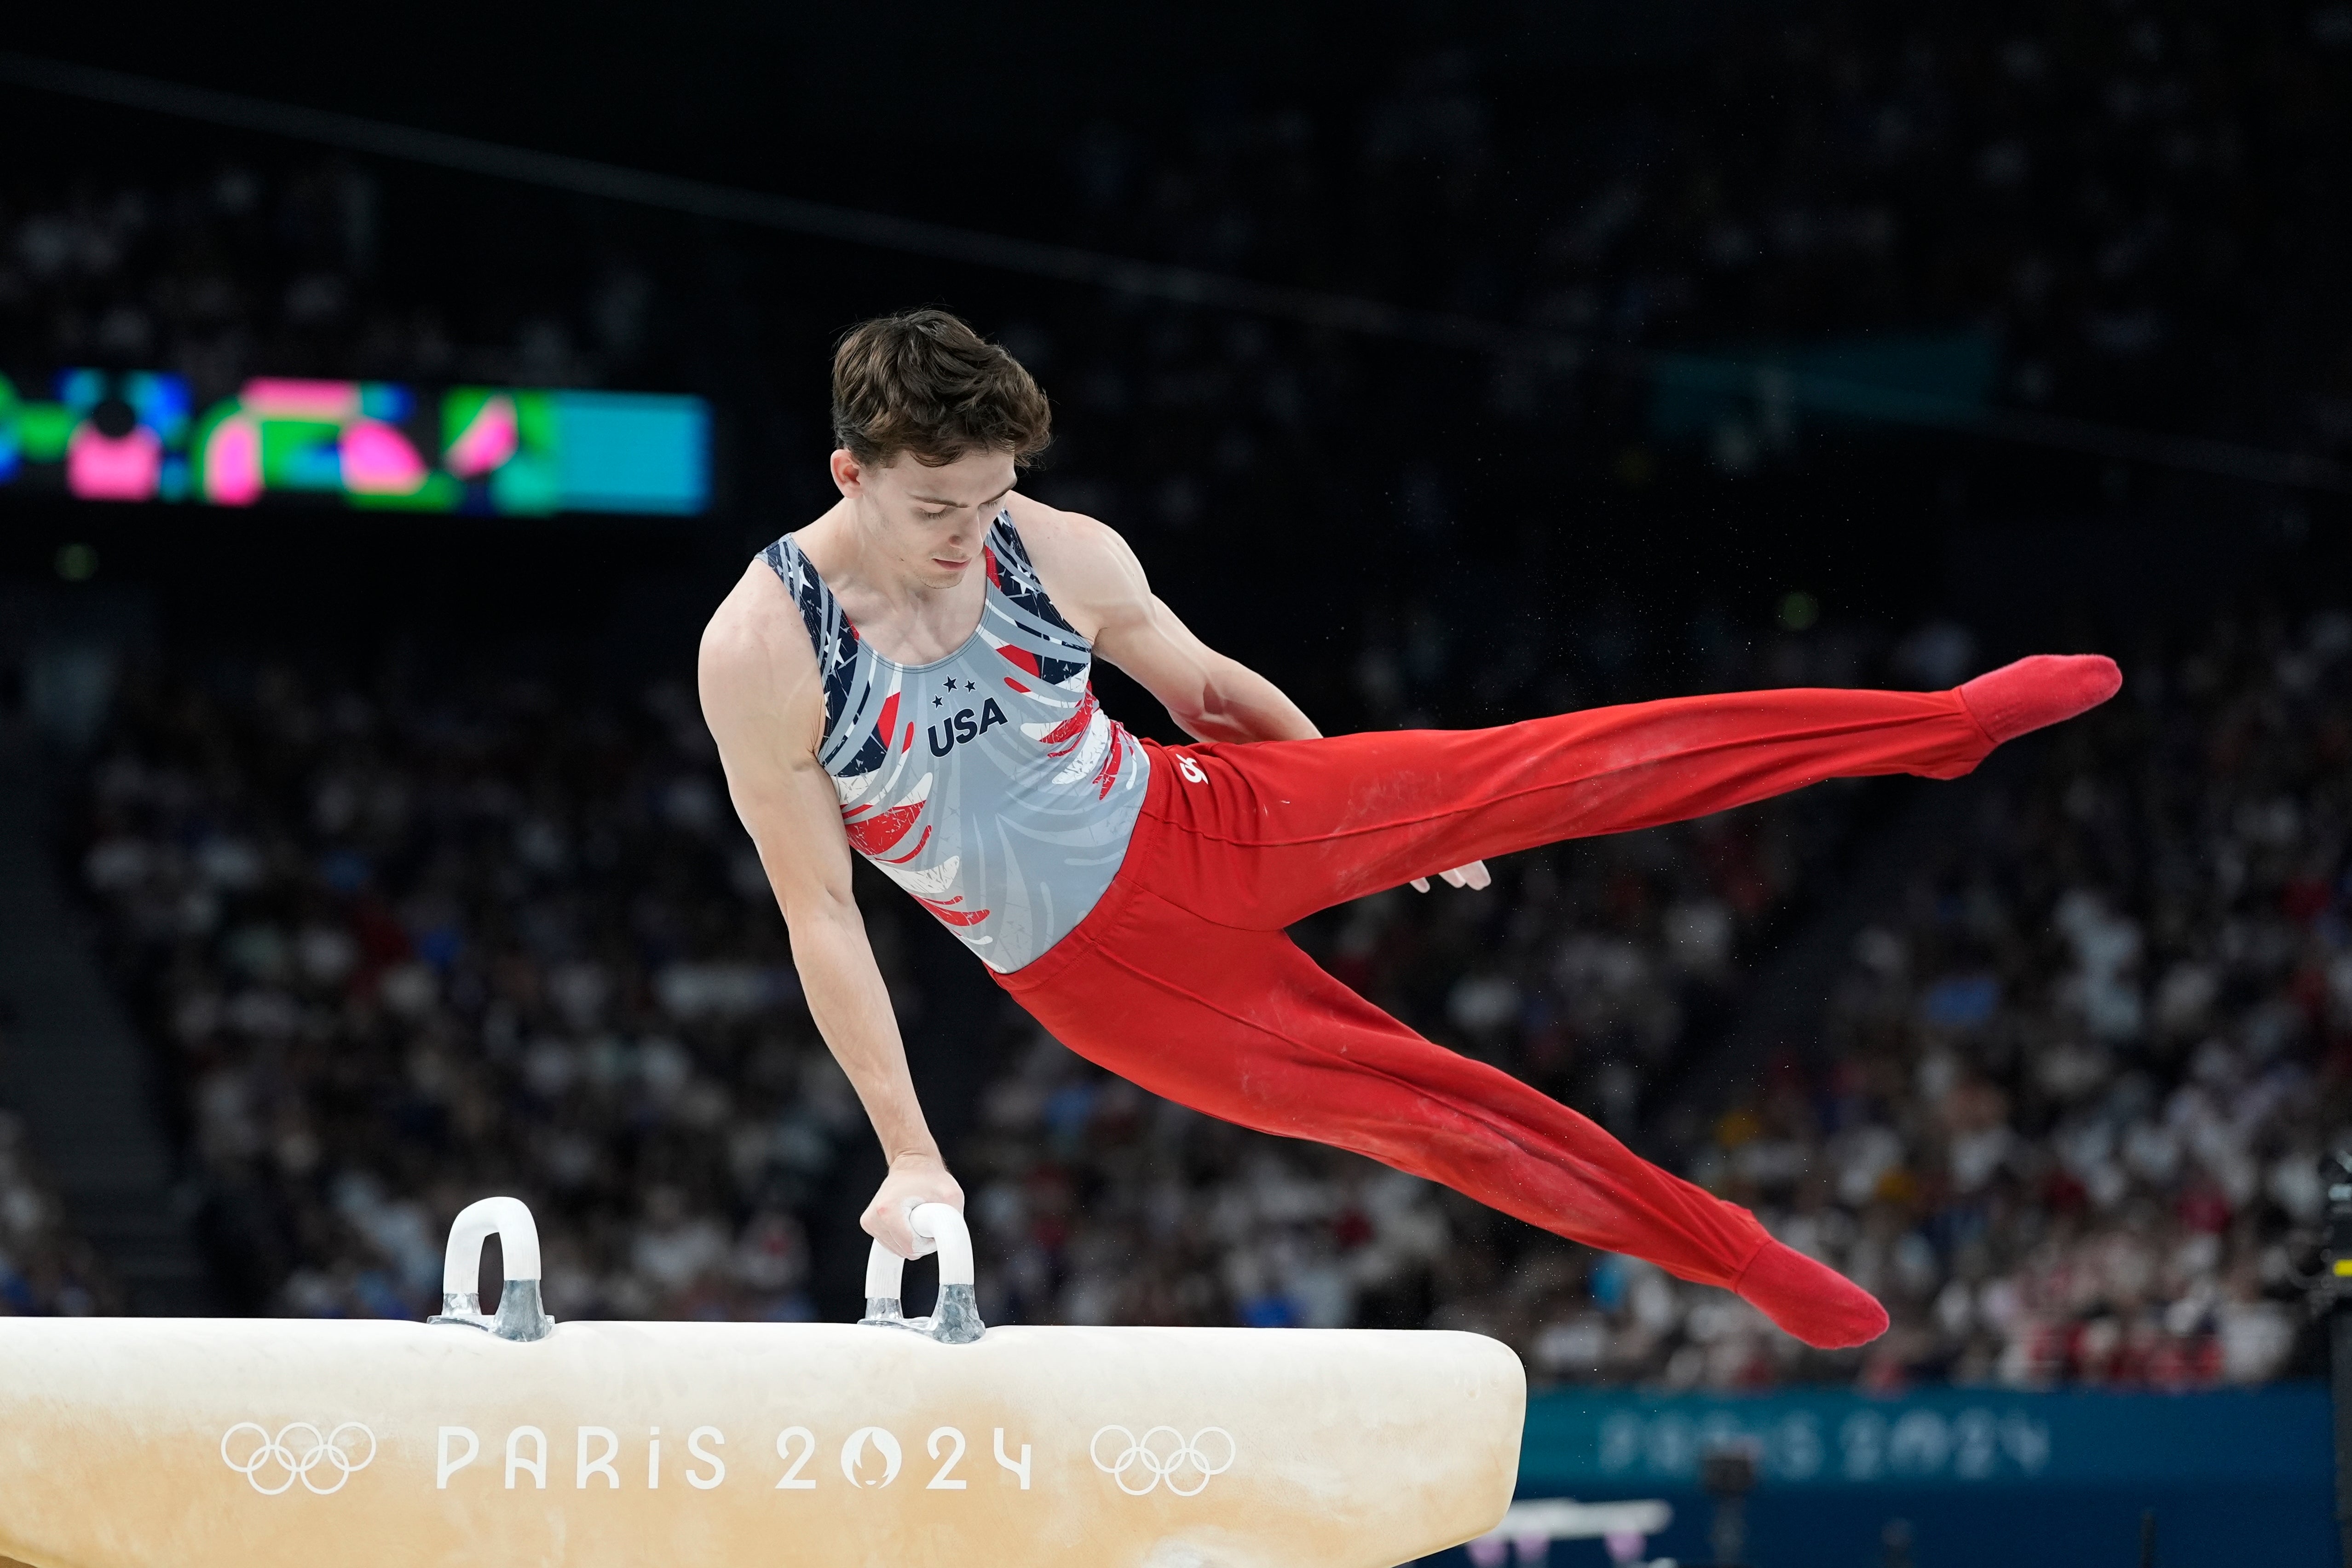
[(521, 1315), (955, 1321)]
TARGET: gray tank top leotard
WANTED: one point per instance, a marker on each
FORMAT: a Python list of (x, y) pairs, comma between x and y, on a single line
[(989, 784)]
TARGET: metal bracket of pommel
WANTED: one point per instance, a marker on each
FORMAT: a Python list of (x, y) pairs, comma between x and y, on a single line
[(955, 1319), (521, 1316)]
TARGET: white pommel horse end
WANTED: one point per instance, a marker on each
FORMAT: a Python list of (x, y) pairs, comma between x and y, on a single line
[(507, 1438)]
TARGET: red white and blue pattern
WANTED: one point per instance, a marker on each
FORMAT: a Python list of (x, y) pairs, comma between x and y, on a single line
[(989, 785)]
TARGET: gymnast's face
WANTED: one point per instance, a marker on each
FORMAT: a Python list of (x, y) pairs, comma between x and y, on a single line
[(926, 523)]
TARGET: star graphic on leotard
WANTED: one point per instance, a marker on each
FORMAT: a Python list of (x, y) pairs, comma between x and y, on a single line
[(952, 685), (938, 701)]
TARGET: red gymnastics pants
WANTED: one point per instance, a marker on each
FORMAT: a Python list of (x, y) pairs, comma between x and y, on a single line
[(1183, 981)]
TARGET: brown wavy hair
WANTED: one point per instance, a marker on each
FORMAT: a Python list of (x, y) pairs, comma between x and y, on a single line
[(923, 383)]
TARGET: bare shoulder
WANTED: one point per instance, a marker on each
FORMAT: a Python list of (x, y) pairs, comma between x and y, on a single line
[(755, 665), (743, 639), (1053, 532), (1090, 571)]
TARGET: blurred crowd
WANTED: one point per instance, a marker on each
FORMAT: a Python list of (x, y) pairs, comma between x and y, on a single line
[(2064, 1115), (2066, 1123), (403, 942), (45, 1268), (2078, 1083), (279, 269), (401, 952), (2097, 194), (404, 947)]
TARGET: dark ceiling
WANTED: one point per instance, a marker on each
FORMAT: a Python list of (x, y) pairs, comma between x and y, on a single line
[(940, 108)]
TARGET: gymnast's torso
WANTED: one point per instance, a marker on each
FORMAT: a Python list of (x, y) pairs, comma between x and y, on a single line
[(988, 784)]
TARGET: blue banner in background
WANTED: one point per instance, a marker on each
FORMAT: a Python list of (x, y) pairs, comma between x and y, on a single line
[(1618, 1442), (1747, 399), (1970, 1476)]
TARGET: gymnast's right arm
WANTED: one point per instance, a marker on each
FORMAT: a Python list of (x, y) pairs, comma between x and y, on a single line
[(765, 706)]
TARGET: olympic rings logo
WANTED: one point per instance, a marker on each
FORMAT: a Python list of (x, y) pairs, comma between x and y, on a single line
[(1184, 1466), (298, 1460)]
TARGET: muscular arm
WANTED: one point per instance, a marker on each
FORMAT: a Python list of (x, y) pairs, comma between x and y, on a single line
[(762, 699), (1096, 580)]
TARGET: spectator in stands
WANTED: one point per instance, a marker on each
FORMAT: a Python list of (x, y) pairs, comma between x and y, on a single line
[(405, 950), (404, 954), (2081, 1080), (44, 1268)]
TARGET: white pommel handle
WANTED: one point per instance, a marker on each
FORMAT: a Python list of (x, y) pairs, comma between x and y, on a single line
[(936, 1223), (509, 1220)]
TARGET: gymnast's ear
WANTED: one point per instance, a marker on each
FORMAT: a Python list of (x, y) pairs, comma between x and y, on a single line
[(848, 478)]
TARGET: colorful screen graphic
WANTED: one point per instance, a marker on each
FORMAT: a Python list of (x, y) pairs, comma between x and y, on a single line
[(133, 435)]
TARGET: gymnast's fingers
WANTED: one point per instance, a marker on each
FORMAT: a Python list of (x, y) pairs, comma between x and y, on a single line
[(1477, 875), (1421, 884), (886, 1223)]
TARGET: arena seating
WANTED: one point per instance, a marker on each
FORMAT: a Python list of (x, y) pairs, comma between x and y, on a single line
[(2076, 1085), (402, 953), (2079, 1078), (403, 944), (45, 1269)]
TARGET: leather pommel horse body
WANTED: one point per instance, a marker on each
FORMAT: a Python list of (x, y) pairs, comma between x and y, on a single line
[(202, 1443)]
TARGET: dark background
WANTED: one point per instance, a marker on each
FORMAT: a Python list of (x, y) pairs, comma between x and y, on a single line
[(2140, 207), (1005, 122)]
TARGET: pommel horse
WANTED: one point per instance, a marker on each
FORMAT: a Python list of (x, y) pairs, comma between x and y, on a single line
[(506, 1437)]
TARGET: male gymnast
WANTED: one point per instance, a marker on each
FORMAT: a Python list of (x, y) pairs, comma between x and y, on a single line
[(907, 677)]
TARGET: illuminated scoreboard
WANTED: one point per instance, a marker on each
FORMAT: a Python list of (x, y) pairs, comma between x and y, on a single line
[(135, 435)]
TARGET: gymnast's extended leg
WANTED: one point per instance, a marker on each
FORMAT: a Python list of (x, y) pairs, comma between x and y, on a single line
[(1184, 983), (1244, 1026), (1319, 822)]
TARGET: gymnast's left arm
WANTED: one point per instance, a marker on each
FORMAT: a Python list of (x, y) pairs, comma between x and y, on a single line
[(1095, 579)]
